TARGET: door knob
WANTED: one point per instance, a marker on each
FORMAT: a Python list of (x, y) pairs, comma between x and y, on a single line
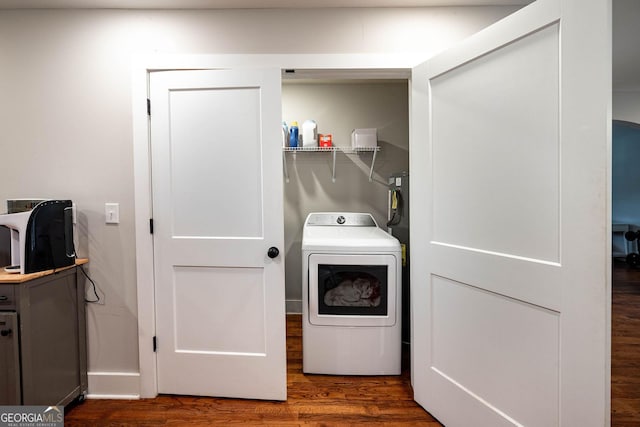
[(273, 252)]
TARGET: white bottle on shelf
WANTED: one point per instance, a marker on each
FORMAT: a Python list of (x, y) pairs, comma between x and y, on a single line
[(309, 134), (285, 134)]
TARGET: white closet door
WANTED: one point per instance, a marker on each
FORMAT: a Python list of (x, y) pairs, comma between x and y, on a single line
[(510, 221), (217, 208)]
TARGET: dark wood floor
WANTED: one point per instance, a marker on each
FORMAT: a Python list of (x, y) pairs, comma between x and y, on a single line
[(371, 401), (320, 400), (625, 347)]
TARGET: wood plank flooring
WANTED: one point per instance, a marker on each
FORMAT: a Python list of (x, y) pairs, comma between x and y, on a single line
[(320, 400), (373, 401), (625, 346)]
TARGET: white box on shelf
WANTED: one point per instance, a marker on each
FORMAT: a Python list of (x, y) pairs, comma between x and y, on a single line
[(364, 138)]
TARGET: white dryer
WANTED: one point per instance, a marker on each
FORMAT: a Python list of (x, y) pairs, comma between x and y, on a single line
[(351, 297)]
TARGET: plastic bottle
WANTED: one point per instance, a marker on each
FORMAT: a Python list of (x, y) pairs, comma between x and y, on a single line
[(293, 135), (309, 134), (285, 134)]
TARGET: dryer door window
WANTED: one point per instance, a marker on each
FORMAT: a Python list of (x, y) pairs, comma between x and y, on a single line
[(353, 290)]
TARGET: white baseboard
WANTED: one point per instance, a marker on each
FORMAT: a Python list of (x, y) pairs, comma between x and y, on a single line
[(113, 385), (294, 306)]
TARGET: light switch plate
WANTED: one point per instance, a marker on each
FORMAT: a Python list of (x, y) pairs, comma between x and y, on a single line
[(112, 213)]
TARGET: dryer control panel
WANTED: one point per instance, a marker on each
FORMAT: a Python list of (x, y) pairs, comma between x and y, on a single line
[(338, 219)]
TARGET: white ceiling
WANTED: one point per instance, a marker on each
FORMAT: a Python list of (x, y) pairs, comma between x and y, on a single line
[(241, 4)]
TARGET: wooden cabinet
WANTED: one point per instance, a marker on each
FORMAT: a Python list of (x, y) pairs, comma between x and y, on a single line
[(43, 337)]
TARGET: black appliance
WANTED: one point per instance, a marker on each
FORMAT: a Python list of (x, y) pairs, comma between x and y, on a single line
[(42, 238)]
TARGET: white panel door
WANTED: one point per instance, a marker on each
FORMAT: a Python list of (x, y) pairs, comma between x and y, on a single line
[(217, 208), (510, 222)]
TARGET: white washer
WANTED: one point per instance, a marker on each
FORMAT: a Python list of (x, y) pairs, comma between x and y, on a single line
[(351, 296)]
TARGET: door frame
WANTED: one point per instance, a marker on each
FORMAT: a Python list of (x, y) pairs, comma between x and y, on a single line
[(334, 66)]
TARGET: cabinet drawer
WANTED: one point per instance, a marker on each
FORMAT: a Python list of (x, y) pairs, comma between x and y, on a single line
[(7, 297)]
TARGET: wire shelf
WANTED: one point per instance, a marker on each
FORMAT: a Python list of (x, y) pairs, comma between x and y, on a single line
[(347, 150), (334, 150)]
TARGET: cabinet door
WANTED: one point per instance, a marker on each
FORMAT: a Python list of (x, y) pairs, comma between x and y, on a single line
[(9, 359), (49, 339), (510, 152)]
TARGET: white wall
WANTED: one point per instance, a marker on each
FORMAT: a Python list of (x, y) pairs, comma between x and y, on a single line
[(626, 106), (66, 127), (625, 36)]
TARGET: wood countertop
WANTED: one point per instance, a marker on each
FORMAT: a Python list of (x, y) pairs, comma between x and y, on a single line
[(21, 278)]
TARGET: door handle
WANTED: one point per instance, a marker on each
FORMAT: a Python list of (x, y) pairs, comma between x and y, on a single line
[(273, 252)]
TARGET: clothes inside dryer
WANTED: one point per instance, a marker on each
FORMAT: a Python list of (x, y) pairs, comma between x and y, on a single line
[(352, 289)]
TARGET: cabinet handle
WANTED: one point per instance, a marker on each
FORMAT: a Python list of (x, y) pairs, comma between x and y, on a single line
[(3, 298), (5, 332)]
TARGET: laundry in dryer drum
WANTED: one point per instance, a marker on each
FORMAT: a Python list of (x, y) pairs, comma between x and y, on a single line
[(360, 291)]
